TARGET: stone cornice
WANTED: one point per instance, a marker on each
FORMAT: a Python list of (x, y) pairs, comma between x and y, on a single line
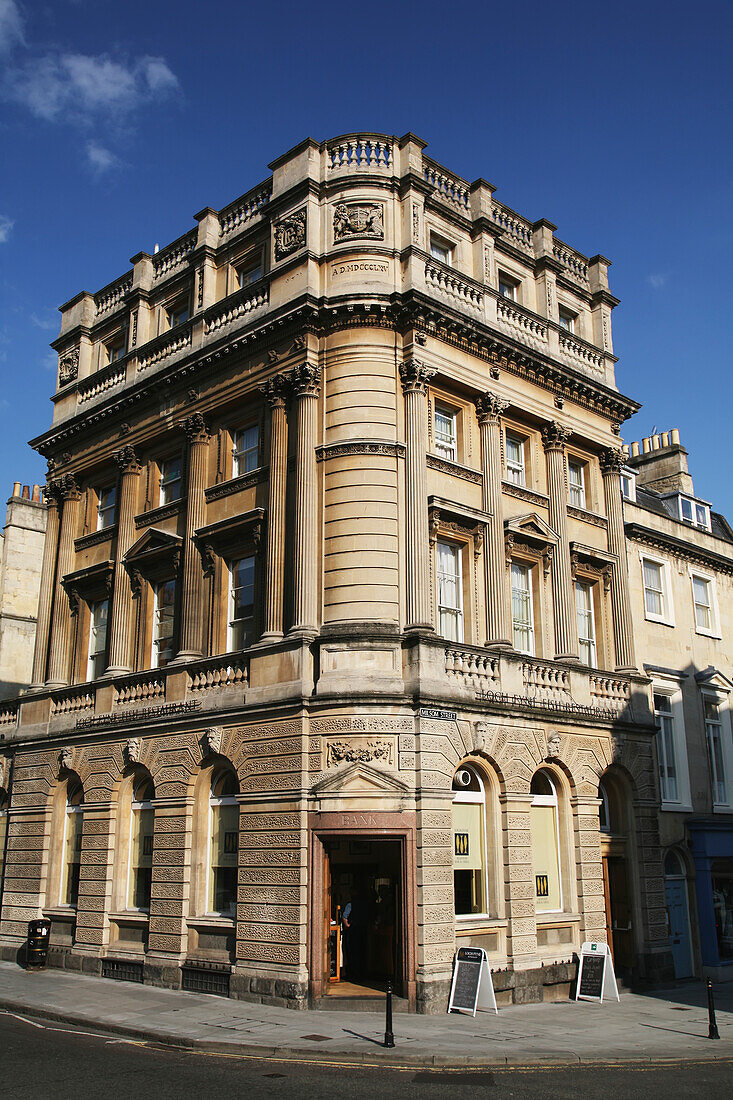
[(659, 540), (236, 484), (455, 469), (360, 447)]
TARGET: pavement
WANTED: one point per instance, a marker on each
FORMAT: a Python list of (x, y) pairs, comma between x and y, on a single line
[(660, 1026)]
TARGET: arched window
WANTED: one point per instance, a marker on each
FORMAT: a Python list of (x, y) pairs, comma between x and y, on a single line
[(141, 844), (673, 865), (604, 810), (71, 866), (545, 829), (224, 843), (469, 843)]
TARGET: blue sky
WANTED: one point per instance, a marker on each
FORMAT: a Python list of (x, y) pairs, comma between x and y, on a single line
[(119, 121)]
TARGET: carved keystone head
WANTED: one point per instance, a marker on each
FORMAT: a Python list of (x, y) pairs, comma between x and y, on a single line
[(211, 740), (132, 750), (479, 736), (554, 741), (66, 759)]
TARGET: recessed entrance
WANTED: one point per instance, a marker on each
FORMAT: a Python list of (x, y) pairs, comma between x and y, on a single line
[(363, 917)]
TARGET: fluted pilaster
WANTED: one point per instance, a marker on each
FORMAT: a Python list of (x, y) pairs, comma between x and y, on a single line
[(192, 589), (276, 390), (305, 381), (415, 377), (554, 438), (121, 617), (45, 598), (623, 630), (58, 656), (489, 408)]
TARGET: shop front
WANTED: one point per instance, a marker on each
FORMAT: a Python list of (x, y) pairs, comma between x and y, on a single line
[(711, 843)]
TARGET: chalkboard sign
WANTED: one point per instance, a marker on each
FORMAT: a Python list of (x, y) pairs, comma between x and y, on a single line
[(472, 986), (595, 972)]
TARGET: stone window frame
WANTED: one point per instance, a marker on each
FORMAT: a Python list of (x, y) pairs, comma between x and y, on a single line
[(493, 856), (667, 617), (219, 543), (247, 259), (213, 766), (69, 785), (444, 244), (121, 881), (713, 631), (721, 697), (593, 567), (513, 281), (565, 841), (171, 307), (571, 317), (531, 565), (511, 429), (449, 402), (524, 549), (469, 540), (580, 461), (85, 588), (670, 686)]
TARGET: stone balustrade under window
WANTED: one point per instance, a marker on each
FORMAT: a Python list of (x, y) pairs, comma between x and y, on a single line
[(473, 669), (439, 276), (546, 680), (105, 379), (236, 306), (166, 345)]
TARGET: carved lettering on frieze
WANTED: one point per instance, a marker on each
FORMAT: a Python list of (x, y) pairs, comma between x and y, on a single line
[(358, 219), (290, 234)]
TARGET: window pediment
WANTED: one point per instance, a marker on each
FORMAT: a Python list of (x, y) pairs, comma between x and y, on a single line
[(712, 677), (227, 536), (532, 529), (155, 553)]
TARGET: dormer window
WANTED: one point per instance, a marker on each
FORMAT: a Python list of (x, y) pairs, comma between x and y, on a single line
[(440, 249), (694, 513)]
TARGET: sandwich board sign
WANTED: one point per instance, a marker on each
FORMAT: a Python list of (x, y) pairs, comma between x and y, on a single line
[(472, 986), (595, 969)]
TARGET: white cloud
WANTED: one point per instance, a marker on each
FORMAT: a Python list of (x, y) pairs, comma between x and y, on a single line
[(46, 323), (82, 88), (11, 27), (101, 159), (657, 280), (6, 225)]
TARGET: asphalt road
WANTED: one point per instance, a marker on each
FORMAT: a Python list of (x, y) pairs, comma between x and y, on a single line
[(39, 1061)]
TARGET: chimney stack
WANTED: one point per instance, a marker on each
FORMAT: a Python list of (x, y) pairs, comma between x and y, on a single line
[(661, 463)]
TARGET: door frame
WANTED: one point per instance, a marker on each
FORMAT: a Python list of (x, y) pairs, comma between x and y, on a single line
[(682, 880), (361, 825)]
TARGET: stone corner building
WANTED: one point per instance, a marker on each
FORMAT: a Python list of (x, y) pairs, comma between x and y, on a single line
[(335, 604)]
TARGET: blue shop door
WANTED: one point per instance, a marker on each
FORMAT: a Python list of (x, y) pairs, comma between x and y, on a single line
[(679, 927)]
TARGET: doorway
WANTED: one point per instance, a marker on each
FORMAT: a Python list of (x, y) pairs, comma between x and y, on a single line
[(618, 913), (678, 915), (363, 920)]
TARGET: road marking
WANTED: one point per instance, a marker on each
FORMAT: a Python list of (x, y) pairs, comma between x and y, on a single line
[(25, 1021)]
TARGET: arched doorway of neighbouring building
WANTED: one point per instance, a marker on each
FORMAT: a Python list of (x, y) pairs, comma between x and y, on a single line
[(615, 827), (678, 914)]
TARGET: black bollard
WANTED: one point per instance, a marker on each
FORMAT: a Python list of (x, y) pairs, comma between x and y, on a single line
[(712, 1025), (388, 1036)]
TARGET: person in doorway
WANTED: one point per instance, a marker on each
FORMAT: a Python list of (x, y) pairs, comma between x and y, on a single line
[(355, 922)]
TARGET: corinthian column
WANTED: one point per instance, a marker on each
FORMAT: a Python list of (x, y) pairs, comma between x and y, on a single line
[(45, 597), (306, 380), (489, 409), (275, 390), (554, 438), (121, 617), (415, 377), (623, 631), (58, 656), (192, 596)]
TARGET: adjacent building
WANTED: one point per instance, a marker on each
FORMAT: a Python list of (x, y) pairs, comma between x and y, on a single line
[(335, 605), (680, 555), (21, 553)]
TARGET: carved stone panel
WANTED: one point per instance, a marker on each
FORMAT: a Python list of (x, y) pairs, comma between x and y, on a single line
[(352, 220), (290, 234), (360, 750)]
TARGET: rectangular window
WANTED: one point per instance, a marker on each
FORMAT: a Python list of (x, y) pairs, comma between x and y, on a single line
[(522, 617), (241, 603), (177, 314), (97, 655), (249, 272), (576, 483), (515, 465), (703, 600), (508, 287), (223, 858), (170, 480), (698, 515), (106, 502), (164, 599), (446, 443), (666, 748), (115, 349), (714, 735), (450, 602), (628, 485), (440, 249), (566, 319), (246, 450), (141, 856), (655, 597), (586, 623)]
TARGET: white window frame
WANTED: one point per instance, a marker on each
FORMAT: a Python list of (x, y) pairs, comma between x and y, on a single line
[(589, 615), (216, 800), (474, 797), (630, 477), (512, 284), (670, 686), (667, 616), (240, 454), (567, 320), (231, 648), (445, 449), (713, 631), (93, 650), (457, 611), (155, 655), (552, 800), (135, 807), (164, 482), (695, 507), (107, 512), (720, 699), (527, 570), (439, 244), (516, 472), (577, 489)]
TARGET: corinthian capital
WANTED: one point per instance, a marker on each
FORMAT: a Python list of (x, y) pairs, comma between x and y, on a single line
[(66, 488), (127, 461), (611, 460), (489, 406), (276, 390), (415, 376), (554, 436), (306, 379), (195, 428)]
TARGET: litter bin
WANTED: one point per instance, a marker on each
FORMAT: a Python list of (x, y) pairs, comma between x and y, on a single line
[(39, 934)]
